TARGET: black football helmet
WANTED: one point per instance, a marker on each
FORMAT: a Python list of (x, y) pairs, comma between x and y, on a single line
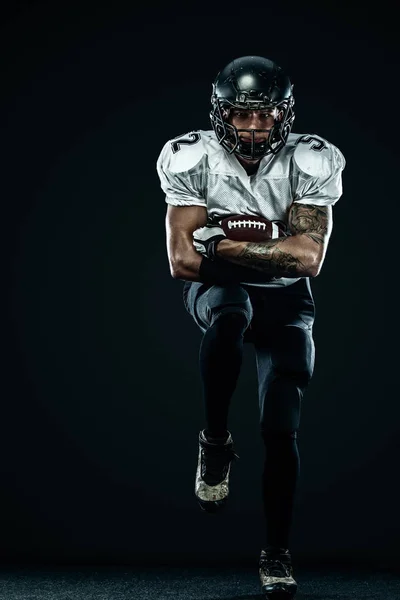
[(252, 83)]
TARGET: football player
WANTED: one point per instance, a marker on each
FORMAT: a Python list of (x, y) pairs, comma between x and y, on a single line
[(250, 163)]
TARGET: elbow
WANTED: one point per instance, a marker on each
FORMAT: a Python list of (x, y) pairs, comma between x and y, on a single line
[(313, 268), (177, 269), (175, 272), (174, 268), (312, 272), (177, 275), (185, 267)]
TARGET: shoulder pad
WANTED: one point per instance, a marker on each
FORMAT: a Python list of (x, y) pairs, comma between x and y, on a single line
[(314, 156), (184, 152)]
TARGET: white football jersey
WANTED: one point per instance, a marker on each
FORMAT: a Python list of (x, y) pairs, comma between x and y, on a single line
[(194, 169)]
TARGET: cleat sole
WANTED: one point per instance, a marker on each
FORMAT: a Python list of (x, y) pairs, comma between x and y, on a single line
[(212, 507)]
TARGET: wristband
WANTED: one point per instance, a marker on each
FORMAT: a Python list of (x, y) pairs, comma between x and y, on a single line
[(222, 272)]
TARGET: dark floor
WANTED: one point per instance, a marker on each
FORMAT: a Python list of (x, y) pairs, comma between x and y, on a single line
[(120, 583)]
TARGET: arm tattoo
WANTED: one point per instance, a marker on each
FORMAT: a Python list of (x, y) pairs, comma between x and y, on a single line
[(268, 257), (287, 256), (312, 221)]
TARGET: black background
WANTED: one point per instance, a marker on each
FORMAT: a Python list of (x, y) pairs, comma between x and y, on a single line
[(101, 401)]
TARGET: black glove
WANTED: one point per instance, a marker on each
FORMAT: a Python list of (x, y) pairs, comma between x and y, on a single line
[(206, 239)]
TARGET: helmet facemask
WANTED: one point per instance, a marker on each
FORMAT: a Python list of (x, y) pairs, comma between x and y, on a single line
[(229, 136)]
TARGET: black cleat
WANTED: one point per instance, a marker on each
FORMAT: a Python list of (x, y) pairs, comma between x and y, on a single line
[(276, 574), (212, 475)]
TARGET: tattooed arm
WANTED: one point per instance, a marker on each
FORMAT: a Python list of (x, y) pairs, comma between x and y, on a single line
[(298, 255)]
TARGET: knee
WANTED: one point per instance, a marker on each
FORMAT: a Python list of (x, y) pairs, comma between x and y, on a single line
[(231, 323), (296, 376), (294, 356), (292, 370)]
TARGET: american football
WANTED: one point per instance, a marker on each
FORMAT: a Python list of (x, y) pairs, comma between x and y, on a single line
[(251, 228)]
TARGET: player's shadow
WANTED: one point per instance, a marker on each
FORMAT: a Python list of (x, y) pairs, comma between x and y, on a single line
[(299, 596)]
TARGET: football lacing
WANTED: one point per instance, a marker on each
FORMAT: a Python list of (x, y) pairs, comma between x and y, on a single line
[(254, 224)]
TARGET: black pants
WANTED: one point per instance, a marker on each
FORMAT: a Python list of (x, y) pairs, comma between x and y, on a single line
[(278, 321)]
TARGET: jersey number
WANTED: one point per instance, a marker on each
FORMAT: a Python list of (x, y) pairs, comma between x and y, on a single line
[(189, 139), (318, 146)]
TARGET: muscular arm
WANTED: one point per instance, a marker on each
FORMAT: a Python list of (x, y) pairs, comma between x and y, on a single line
[(180, 222), (299, 255), (185, 261)]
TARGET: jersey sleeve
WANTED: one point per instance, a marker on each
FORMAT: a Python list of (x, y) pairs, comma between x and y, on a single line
[(320, 165), (181, 176)]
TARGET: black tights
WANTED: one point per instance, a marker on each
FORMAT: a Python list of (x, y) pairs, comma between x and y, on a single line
[(279, 480), (221, 353)]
